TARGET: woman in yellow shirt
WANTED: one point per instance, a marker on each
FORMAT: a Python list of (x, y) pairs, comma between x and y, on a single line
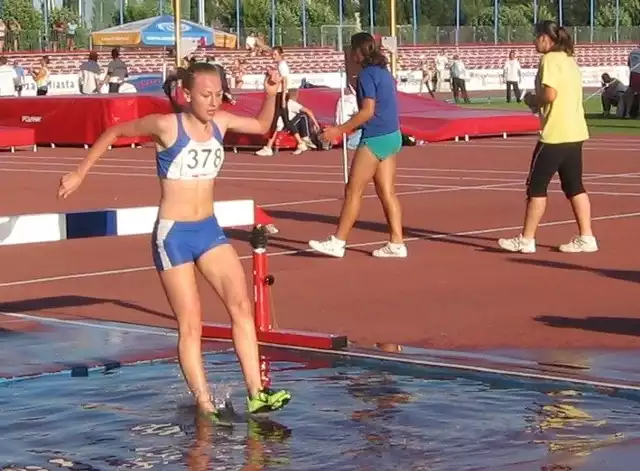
[(558, 100)]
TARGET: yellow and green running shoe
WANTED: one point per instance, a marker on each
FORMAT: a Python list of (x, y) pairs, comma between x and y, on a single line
[(268, 400)]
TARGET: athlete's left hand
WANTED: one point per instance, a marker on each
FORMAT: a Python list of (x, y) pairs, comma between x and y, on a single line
[(271, 82), (330, 134)]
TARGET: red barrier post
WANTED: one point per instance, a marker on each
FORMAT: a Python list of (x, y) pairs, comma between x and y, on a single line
[(261, 279)]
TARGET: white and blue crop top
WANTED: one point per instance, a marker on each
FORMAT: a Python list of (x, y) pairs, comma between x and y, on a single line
[(187, 159)]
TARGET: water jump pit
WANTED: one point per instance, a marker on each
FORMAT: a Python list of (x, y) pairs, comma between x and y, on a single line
[(74, 404)]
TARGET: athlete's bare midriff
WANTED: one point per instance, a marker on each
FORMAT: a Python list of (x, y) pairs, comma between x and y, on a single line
[(186, 200)]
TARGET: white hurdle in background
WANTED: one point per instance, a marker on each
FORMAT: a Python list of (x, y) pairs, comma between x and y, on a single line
[(52, 227)]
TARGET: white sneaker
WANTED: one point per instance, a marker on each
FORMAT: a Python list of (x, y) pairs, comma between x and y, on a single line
[(391, 250), (518, 244), (265, 152), (580, 244), (300, 149), (309, 143), (333, 247)]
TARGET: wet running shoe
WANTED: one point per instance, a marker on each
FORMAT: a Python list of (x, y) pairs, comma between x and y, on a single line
[(267, 400), (218, 418)]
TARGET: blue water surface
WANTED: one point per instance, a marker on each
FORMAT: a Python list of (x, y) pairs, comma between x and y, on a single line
[(345, 415)]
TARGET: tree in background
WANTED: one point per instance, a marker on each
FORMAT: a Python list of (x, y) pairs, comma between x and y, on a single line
[(30, 21), (105, 13), (436, 18), (135, 11), (23, 12)]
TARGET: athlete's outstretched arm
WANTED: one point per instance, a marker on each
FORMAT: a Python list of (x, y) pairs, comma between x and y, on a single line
[(151, 125), (254, 125)]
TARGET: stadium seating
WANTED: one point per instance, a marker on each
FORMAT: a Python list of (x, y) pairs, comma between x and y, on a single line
[(320, 60)]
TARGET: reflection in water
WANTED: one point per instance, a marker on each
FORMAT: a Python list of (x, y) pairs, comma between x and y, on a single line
[(569, 431), (348, 416), (383, 392), (205, 448), (258, 455)]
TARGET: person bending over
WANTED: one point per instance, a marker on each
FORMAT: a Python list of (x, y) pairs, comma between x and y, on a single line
[(613, 94), (186, 236), (299, 117), (281, 107), (375, 157), (558, 98)]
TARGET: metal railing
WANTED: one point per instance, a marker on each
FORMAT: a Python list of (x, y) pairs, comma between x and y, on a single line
[(329, 36)]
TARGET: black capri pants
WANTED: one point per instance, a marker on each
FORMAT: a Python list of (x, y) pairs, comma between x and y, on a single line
[(281, 112), (566, 159), (300, 123)]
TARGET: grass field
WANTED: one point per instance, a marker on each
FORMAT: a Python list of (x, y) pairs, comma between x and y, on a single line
[(593, 108)]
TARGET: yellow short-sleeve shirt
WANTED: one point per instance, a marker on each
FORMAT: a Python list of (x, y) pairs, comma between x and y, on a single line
[(563, 120)]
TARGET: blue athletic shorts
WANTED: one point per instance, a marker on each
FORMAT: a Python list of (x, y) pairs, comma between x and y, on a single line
[(178, 242)]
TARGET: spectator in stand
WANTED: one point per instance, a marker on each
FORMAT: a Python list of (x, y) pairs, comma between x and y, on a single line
[(261, 44), (8, 78), (14, 33), (41, 77), (20, 77), (458, 73), (613, 94), (3, 34), (117, 71), (251, 44), (58, 34), (512, 74), (71, 35), (89, 80), (442, 63), (238, 70)]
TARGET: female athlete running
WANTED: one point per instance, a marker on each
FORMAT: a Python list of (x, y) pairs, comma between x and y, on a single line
[(189, 155)]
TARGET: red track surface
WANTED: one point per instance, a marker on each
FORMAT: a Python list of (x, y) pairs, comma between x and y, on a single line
[(454, 291)]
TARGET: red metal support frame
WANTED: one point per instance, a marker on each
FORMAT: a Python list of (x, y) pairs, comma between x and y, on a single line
[(262, 282)]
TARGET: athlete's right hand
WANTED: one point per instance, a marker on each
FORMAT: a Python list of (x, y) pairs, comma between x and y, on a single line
[(68, 184)]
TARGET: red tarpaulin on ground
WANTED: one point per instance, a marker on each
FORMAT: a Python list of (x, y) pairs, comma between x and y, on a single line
[(422, 117), (79, 120), (16, 137)]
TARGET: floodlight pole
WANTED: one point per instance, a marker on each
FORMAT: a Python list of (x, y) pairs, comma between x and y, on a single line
[(176, 17), (392, 11)]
